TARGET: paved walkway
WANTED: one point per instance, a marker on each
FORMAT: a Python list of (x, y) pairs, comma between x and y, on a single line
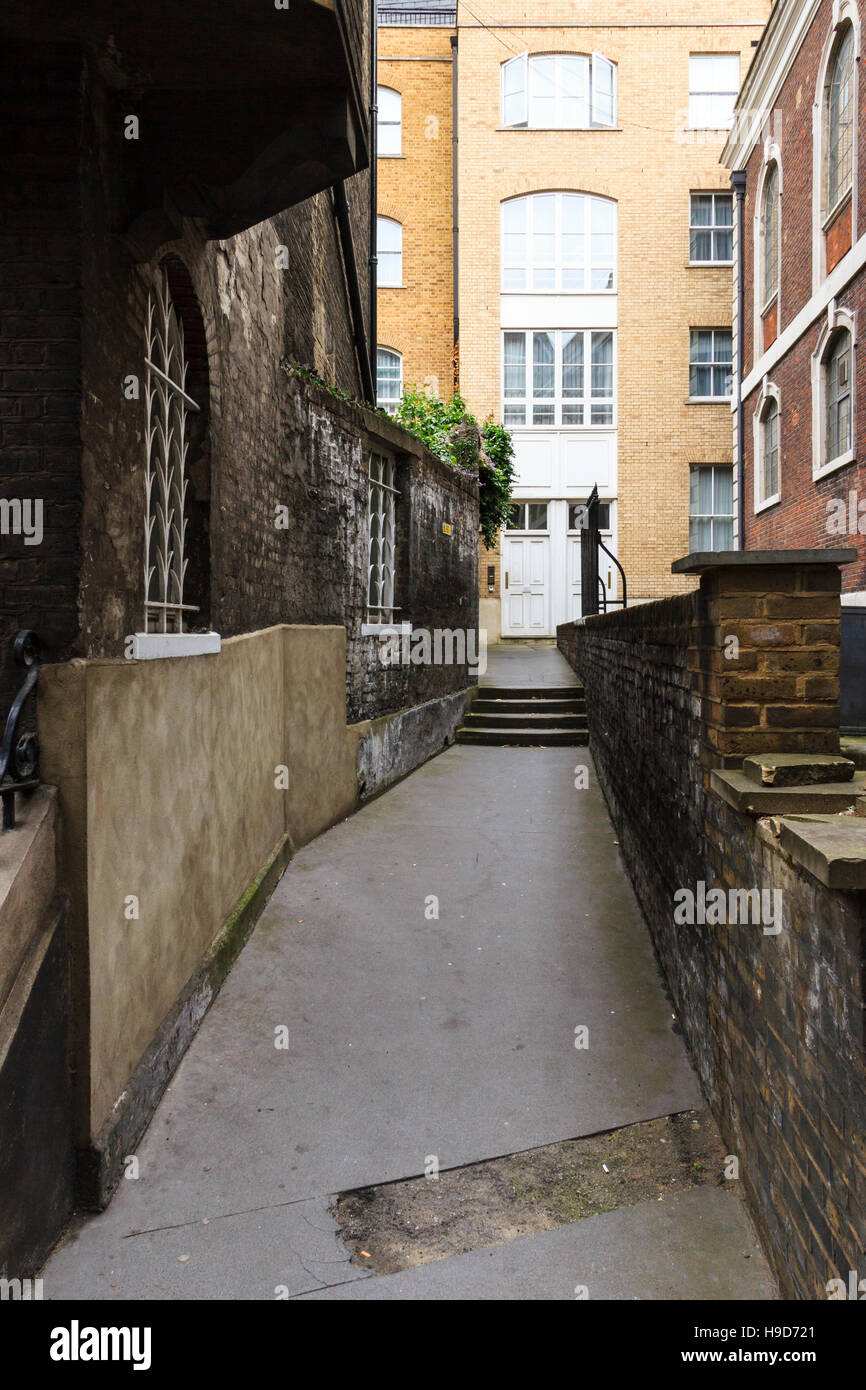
[(412, 1036)]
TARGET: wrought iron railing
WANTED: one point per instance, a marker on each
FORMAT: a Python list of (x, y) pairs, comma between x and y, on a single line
[(19, 752), (593, 593)]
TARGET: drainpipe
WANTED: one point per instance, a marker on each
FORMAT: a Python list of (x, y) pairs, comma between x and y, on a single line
[(362, 346), (374, 195), (738, 184), (455, 233)]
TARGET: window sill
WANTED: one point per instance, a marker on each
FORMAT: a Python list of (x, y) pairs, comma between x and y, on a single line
[(709, 265), (560, 294), (837, 208), (386, 629), (389, 156), (380, 286), (552, 129), (841, 462), (709, 400), (156, 646), (767, 503)]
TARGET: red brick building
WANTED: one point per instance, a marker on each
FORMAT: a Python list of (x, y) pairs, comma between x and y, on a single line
[(796, 153)]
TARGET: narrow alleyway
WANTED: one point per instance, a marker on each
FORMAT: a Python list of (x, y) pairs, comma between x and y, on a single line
[(415, 1037)]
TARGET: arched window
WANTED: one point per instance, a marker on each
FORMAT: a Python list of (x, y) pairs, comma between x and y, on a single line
[(840, 111), (177, 474), (769, 488), (389, 378), (837, 388), (558, 241), (389, 250), (770, 224), (558, 91), (389, 140)]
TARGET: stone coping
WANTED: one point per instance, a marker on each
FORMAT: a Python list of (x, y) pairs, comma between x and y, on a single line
[(702, 560)]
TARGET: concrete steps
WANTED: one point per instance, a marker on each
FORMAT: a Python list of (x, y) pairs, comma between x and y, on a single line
[(540, 716)]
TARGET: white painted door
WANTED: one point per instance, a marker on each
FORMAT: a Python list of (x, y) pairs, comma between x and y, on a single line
[(572, 569), (526, 586)]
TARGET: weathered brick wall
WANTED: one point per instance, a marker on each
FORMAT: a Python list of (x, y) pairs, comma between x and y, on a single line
[(40, 315), (72, 335), (775, 1023)]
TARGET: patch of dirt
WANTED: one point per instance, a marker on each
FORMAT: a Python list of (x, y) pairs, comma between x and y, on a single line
[(403, 1224)]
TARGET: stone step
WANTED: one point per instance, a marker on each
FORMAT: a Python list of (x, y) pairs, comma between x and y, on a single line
[(833, 848), (562, 720), (485, 706), (745, 795), (530, 692), (532, 738), (797, 769)]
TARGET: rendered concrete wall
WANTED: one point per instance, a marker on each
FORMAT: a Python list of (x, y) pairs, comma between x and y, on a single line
[(166, 772)]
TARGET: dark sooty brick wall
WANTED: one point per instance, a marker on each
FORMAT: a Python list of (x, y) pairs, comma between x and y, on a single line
[(774, 1022)]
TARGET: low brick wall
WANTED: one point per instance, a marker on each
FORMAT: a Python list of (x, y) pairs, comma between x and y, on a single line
[(774, 1021)]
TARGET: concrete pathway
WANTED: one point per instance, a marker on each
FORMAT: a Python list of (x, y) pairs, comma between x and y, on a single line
[(413, 1035)]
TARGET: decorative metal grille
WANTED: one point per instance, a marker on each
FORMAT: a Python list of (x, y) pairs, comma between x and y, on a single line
[(167, 406), (380, 590)]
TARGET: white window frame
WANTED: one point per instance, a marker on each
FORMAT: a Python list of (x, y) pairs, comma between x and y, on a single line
[(527, 530), (710, 400), (713, 516), (697, 92), (528, 202), (844, 12), (558, 400), (390, 123), (837, 320), (517, 73), (712, 227), (397, 256), (769, 396), (772, 158), (382, 497), (389, 404)]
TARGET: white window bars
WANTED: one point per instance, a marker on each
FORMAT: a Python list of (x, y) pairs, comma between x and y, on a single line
[(167, 407), (380, 584)]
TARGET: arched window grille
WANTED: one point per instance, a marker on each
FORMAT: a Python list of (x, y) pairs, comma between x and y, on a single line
[(168, 406)]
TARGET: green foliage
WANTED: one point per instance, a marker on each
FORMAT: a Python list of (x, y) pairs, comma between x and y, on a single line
[(484, 453)]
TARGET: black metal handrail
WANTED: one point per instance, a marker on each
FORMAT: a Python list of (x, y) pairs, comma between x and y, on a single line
[(593, 594), (19, 753)]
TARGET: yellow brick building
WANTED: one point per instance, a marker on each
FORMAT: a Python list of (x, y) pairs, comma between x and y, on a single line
[(594, 284)]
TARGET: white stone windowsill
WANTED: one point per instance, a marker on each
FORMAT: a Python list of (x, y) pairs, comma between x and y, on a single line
[(154, 646), (386, 629), (834, 465)]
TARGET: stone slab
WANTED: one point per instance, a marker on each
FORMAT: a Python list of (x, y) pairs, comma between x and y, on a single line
[(797, 769), (739, 791), (833, 848), (692, 1245), (701, 560)]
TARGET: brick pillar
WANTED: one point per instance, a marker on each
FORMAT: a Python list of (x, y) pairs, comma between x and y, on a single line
[(765, 659)]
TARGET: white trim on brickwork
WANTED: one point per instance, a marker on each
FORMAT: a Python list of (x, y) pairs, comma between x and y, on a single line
[(832, 287), (781, 42)]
